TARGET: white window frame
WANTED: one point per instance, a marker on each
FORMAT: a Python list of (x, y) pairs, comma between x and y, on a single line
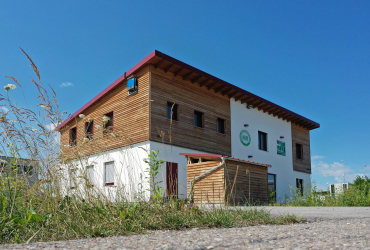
[(110, 183)]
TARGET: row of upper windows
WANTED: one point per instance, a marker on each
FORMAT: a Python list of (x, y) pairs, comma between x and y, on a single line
[(89, 129), (262, 145), (173, 114)]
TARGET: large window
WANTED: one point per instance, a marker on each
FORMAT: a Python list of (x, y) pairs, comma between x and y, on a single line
[(299, 151), (271, 182), (89, 130), (262, 141), (198, 119), (109, 173), (108, 123), (172, 111), (299, 186), (220, 125), (73, 136)]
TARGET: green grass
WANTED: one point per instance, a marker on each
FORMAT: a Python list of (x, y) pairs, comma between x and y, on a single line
[(45, 218)]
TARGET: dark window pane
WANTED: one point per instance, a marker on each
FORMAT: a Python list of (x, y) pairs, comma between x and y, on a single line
[(299, 185), (299, 151), (89, 128), (262, 140), (198, 119), (220, 125), (172, 108), (108, 123), (73, 137)]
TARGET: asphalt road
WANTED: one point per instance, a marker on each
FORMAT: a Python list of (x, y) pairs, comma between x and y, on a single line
[(333, 227)]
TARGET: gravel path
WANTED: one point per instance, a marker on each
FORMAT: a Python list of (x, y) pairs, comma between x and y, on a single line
[(347, 233), (331, 227)]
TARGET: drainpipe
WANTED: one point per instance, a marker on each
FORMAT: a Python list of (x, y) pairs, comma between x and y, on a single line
[(200, 176)]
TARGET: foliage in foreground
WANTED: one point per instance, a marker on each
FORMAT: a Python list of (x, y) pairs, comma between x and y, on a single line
[(44, 218), (358, 195)]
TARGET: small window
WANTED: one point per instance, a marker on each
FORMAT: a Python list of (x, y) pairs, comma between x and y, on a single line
[(108, 123), (299, 151), (109, 173), (89, 130), (271, 185), (132, 85), (220, 125), (262, 140), (72, 178), (299, 186), (73, 137), (198, 119), (90, 175), (172, 111)]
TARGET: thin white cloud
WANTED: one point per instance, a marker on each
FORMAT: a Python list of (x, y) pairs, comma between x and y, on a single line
[(338, 170), (50, 126), (4, 109), (315, 157), (66, 84)]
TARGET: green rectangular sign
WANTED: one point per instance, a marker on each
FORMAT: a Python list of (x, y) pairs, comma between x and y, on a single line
[(281, 148)]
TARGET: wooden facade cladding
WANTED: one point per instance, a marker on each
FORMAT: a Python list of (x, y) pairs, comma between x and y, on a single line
[(130, 119), (228, 183), (189, 96), (301, 136)]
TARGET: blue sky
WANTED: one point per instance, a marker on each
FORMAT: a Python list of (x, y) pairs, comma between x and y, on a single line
[(311, 57)]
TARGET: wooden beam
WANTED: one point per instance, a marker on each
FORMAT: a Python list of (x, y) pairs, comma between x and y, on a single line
[(211, 85), (232, 94), (254, 103), (168, 68), (195, 79), (246, 99), (187, 75), (293, 119), (268, 109), (272, 110), (177, 71), (237, 98), (225, 92), (219, 88), (204, 82), (277, 113), (261, 106), (285, 116), (160, 63)]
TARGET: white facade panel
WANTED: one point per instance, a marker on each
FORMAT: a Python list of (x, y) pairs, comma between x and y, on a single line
[(282, 166)]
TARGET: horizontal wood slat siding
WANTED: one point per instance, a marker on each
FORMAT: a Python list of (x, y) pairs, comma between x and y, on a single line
[(301, 136), (130, 119), (210, 188), (165, 87), (237, 189)]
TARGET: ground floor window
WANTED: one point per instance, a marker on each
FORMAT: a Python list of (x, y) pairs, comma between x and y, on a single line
[(299, 186), (271, 182)]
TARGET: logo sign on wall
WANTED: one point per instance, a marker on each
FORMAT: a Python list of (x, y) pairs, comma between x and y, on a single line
[(281, 148), (245, 137)]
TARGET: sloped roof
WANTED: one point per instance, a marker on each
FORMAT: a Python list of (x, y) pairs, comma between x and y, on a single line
[(227, 158), (201, 78)]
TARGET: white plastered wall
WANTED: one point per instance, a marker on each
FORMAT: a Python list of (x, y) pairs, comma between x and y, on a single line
[(282, 166), (130, 182), (172, 154)]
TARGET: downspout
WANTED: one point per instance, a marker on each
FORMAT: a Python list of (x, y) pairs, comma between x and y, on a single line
[(196, 178)]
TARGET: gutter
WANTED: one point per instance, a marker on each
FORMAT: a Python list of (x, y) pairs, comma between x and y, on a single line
[(200, 176)]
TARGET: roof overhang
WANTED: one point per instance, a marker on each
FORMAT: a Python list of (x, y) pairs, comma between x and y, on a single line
[(196, 76), (226, 158)]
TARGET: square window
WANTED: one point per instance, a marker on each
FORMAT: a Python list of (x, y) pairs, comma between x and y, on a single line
[(299, 151), (89, 130), (73, 136), (109, 173), (262, 141), (172, 111), (107, 123), (220, 125), (198, 119)]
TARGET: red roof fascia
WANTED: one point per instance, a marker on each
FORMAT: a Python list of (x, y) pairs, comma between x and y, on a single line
[(201, 155), (109, 88)]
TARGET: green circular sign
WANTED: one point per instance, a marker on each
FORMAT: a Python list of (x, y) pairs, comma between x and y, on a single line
[(245, 137)]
